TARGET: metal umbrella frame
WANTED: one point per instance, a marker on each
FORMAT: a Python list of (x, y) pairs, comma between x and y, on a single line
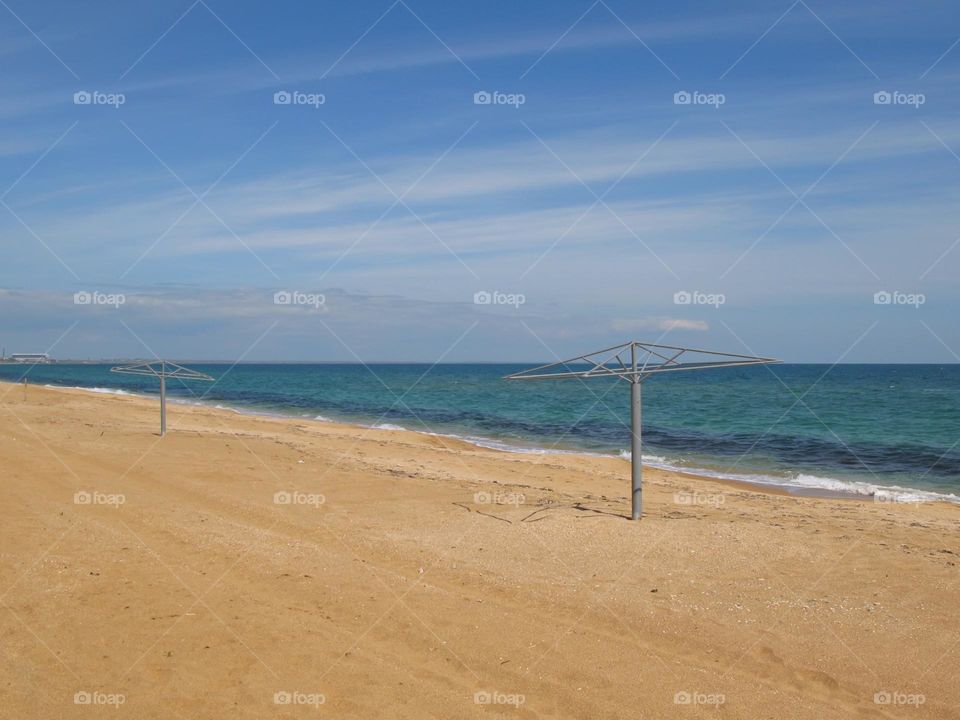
[(162, 369), (635, 362)]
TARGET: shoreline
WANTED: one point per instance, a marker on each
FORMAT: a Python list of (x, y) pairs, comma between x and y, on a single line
[(239, 556), (820, 487)]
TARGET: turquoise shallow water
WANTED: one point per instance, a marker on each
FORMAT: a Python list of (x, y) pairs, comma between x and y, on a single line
[(850, 428)]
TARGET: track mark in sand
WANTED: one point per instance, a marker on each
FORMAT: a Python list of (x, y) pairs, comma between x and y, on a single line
[(797, 677)]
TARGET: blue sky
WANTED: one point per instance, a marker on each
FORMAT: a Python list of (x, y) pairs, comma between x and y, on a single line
[(589, 203)]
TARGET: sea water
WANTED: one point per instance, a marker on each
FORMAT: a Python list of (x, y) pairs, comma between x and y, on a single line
[(888, 431)]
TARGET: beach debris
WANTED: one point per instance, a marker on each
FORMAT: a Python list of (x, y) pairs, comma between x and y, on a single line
[(480, 512)]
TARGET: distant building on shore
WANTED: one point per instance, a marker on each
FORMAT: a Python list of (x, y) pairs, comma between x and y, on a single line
[(32, 358)]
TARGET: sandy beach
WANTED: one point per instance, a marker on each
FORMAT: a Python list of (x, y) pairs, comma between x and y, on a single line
[(252, 567)]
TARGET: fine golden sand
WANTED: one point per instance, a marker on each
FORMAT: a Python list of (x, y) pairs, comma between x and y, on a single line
[(400, 575)]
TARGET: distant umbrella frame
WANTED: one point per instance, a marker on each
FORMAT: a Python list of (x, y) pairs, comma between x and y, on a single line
[(635, 362), (162, 369)]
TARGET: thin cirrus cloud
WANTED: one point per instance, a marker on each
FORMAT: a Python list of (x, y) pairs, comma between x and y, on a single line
[(319, 208)]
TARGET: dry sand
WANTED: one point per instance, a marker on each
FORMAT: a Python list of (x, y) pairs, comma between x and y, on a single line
[(404, 594)]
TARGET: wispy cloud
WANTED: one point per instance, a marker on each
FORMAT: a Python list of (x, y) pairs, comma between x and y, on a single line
[(629, 325)]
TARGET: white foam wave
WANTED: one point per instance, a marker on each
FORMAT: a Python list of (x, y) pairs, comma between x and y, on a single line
[(880, 493), (650, 459), (826, 485), (99, 390), (384, 426)]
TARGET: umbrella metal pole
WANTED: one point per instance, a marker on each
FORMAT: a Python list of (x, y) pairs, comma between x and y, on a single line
[(636, 456), (163, 405)]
